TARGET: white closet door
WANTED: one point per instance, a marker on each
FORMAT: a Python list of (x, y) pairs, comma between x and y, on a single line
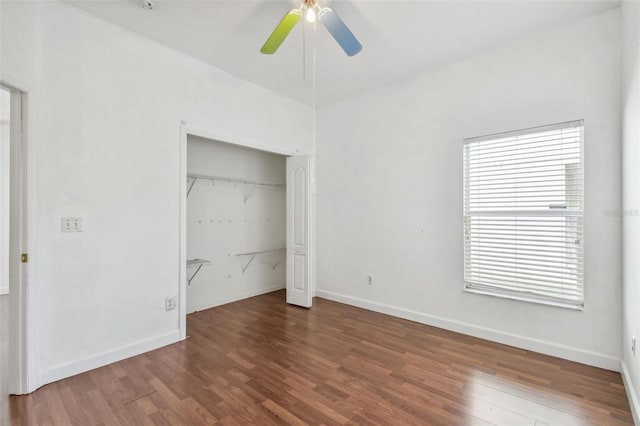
[(299, 290)]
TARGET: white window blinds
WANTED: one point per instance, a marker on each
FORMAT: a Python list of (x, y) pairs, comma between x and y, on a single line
[(523, 208)]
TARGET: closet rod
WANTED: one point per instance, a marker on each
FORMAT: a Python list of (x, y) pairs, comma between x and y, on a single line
[(234, 180), (260, 252)]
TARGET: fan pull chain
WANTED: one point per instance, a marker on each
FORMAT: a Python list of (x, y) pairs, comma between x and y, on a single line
[(304, 51), (313, 91), (313, 112)]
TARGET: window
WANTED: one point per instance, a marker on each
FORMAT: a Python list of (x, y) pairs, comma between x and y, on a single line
[(523, 214)]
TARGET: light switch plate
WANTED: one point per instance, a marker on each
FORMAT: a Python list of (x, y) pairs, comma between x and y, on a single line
[(71, 224), (169, 303)]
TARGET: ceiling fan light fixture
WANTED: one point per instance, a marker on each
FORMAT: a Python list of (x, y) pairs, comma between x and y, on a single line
[(310, 15), (329, 19)]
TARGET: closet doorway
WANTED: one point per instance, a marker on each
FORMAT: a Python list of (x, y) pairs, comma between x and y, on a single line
[(245, 224)]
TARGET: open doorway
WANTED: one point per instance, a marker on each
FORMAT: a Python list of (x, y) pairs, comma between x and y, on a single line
[(236, 223), (245, 224)]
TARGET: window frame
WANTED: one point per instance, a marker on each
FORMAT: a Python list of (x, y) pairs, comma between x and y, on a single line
[(522, 295)]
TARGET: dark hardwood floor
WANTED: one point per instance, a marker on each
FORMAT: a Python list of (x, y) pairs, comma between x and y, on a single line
[(261, 362)]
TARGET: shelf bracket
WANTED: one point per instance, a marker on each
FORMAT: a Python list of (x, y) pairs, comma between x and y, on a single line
[(198, 264), (193, 181), (275, 265), (246, 197), (194, 274), (253, 256)]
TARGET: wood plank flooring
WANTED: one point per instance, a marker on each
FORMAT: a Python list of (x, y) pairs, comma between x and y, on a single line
[(262, 362)]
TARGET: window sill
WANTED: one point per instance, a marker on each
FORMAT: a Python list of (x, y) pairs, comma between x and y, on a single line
[(522, 298)]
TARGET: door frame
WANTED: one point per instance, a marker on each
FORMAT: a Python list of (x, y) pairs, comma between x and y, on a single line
[(185, 131), (23, 342)]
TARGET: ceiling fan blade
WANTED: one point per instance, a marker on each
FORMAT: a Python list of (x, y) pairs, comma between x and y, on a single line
[(339, 31), (281, 32)]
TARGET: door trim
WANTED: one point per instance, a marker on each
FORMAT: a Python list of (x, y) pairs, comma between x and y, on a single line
[(23, 335)]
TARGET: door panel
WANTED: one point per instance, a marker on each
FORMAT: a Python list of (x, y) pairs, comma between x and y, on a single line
[(299, 272), (298, 205), (299, 180)]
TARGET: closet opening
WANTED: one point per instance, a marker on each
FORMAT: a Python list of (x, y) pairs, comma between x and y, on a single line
[(245, 225)]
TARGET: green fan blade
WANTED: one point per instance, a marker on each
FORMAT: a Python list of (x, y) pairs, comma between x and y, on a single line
[(281, 32)]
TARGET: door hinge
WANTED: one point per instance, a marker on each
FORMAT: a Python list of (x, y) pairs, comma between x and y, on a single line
[(24, 258)]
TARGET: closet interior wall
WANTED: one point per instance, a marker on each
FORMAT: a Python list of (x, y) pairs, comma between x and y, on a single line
[(240, 228)]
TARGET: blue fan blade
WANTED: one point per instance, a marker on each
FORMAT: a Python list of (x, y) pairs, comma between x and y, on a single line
[(339, 31)]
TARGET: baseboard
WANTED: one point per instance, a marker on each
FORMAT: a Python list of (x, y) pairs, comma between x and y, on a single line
[(94, 361), (548, 348), (631, 393), (235, 299)]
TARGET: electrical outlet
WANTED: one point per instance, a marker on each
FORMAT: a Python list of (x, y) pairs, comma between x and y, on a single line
[(71, 224), (633, 346), (170, 303), (370, 279)]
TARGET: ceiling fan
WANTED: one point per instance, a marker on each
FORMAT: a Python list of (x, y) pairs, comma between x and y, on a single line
[(326, 15)]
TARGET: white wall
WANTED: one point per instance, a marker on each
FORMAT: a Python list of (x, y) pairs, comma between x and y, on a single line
[(631, 198), (389, 173), (107, 110), (221, 224)]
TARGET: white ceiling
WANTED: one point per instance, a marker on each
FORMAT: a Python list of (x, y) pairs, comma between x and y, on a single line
[(400, 38)]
